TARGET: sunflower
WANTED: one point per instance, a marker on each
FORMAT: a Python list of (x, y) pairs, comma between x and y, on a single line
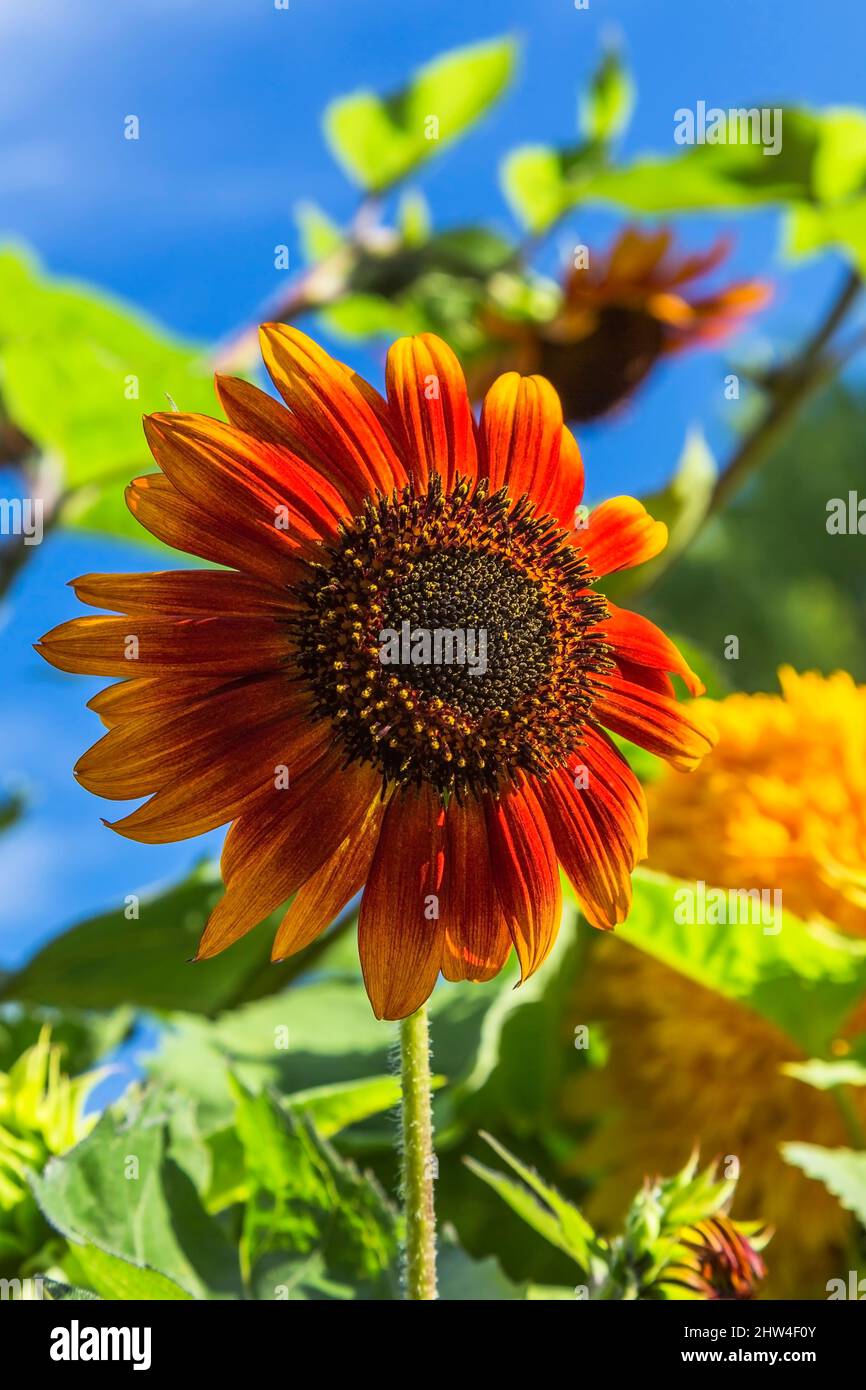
[(258, 694), (718, 1259), (618, 317), (780, 802)]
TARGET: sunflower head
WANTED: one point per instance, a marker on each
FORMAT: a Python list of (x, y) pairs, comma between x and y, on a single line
[(620, 315), (401, 678), (780, 803), (718, 1259)]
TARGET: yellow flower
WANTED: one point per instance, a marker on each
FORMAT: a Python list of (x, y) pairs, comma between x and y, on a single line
[(780, 803)]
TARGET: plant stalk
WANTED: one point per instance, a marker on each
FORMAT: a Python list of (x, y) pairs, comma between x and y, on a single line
[(419, 1159)]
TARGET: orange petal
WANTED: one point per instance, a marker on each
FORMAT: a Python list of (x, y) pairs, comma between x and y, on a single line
[(327, 891), (176, 521), (228, 473), (681, 734), (526, 873), (339, 424), (637, 640), (399, 931), (183, 594), (148, 695), (476, 940), (430, 404), (283, 838), (521, 437), (150, 751), (219, 785), (620, 533), (596, 811), (637, 254), (116, 646), (259, 415)]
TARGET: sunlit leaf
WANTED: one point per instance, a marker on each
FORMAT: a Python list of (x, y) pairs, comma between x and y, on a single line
[(803, 978), (379, 140), (606, 109), (123, 1190), (110, 1277), (146, 960), (824, 1076), (842, 1171)]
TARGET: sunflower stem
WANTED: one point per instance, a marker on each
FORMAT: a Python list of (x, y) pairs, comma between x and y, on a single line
[(419, 1159)]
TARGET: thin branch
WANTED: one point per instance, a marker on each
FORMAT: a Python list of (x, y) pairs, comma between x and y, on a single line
[(812, 368)]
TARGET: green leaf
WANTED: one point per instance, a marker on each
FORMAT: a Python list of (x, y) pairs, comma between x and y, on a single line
[(462, 1279), (542, 183), (320, 235), (682, 505), (280, 1042), (557, 1220), (803, 978), (379, 140), (370, 316), (306, 1202), (842, 1171), (12, 808), (825, 1075), (607, 108), (84, 1037), (124, 1190), (414, 218), (78, 370), (336, 1107), (61, 1293), (109, 960), (822, 159), (112, 1278), (810, 229)]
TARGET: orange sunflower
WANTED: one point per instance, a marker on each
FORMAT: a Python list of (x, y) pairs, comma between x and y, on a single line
[(257, 694), (619, 316)]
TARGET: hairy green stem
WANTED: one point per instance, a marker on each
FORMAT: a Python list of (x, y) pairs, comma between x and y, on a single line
[(419, 1160)]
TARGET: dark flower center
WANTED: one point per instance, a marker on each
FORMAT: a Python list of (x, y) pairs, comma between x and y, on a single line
[(499, 614), (450, 638)]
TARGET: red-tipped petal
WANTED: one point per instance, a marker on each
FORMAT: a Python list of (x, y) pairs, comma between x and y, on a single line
[(476, 939), (619, 534), (428, 400), (526, 873), (635, 639), (682, 734), (399, 931), (339, 423), (596, 812)]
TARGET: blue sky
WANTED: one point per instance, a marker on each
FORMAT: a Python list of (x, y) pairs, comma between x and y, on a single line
[(184, 221)]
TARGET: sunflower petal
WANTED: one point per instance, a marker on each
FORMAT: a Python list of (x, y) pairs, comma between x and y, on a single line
[(338, 426), (183, 594), (177, 521), (399, 931), (327, 891), (620, 533), (596, 811), (280, 840), (635, 639), (681, 734), (110, 646), (476, 940), (428, 399), (526, 873)]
